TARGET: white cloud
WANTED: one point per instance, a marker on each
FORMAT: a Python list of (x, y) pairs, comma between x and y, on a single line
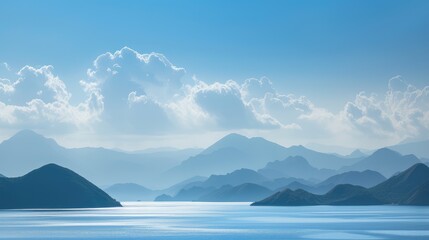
[(39, 99), (223, 104), (146, 93), (401, 114), (132, 93)]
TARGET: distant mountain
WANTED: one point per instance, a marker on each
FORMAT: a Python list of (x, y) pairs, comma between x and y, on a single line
[(332, 149), (52, 186), (420, 149), (167, 150), (309, 188), (409, 187), (187, 194), (232, 152), (356, 154), (297, 167), (280, 183), (384, 161), (187, 183), (27, 150), (247, 192), (2, 176), (131, 192), (235, 178), (164, 198), (367, 178), (320, 160), (235, 151)]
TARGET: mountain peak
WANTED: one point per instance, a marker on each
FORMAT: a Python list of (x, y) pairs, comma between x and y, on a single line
[(50, 169), (385, 152), (235, 136), (418, 168), (356, 154), (27, 133), (29, 137)]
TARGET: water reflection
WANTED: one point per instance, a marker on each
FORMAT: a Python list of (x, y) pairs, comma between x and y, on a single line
[(190, 220)]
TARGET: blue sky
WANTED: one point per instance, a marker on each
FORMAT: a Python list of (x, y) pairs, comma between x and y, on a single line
[(327, 51)]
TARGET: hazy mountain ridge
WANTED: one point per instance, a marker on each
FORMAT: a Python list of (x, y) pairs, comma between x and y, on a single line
[(365, 179), (407, 188), (105, 166), (384, 161), (235, 151), (247, 192), (296, 167), (52, 186), (136, 192), (28, 150), (420, 148)]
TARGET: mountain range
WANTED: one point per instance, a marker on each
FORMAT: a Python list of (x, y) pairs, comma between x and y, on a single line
[(420, 149), (247, 192), (366, 179), (28, 150), (297, 167), (52, 186), (233, 160), (384, 161), (235, 151), (409, 187)]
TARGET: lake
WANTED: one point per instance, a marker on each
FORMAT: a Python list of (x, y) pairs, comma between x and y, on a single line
[(192, 220)]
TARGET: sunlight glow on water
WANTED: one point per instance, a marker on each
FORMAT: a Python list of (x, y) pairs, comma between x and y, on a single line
[(191, 220)]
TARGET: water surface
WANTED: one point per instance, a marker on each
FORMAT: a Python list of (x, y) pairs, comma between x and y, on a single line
[(191, 220)]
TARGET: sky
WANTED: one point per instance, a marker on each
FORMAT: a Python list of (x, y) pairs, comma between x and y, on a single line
[(140, 74)]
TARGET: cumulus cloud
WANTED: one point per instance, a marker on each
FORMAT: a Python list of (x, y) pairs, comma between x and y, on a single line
[(37, 98), (130, 92), (146, 93), (224, 104), (134, 90), (402, 113)]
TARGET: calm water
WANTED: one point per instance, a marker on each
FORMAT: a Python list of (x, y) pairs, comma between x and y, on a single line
[(188, 220)]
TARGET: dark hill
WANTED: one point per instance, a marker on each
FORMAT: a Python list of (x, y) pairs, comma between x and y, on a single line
[(52, 186), (410, 187), (400, 188)]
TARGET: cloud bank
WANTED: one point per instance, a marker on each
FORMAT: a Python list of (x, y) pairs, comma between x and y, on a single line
[(127, 92)]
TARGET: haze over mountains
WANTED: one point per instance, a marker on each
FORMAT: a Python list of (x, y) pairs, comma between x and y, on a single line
[(420, 149), (232, 161), (366, 179), (28, 150), (407, 188), (384, 161), (235, 151), (297, 167)]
